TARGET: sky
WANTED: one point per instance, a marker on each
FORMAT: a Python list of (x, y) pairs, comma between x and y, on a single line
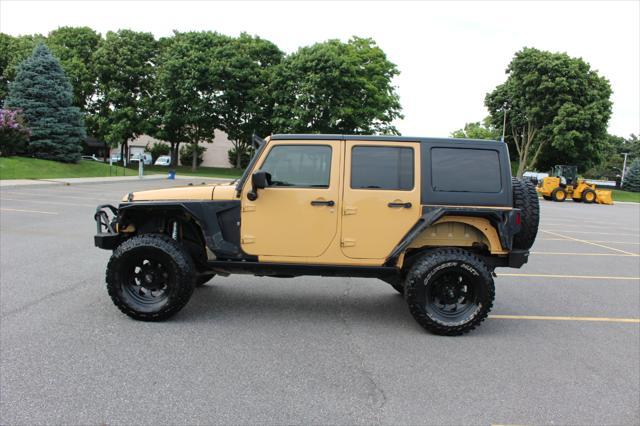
[(450, 54)]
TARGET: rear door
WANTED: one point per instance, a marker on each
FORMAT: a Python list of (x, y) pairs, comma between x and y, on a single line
[(381, 197)]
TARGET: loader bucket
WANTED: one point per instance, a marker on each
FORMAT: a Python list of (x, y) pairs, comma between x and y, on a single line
[(604, 196)]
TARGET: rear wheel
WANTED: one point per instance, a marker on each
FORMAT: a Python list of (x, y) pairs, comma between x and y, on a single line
[(449, 291), (559, 195), (589, 196), (150, 277)]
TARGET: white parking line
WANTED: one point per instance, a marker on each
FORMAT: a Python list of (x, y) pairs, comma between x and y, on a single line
[(554, 318), (591, 243), (47, 202), (582, 226), (25, 211), (582, 277), (50, 194), (628, 234), (555, 253)]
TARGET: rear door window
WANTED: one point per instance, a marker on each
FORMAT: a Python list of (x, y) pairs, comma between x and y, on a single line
[(382, 167)]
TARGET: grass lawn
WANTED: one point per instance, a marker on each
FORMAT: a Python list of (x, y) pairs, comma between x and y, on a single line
[(32, 168), (619, 195)]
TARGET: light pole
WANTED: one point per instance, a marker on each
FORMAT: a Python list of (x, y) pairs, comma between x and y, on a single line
[(504, 122), (624, 168)]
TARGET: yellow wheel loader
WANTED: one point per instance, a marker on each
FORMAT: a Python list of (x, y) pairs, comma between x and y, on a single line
[(564, 182)]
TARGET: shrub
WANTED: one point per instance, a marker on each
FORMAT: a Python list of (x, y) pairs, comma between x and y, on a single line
[(14, 134), (157, 150), (186, 154), (245, 156)]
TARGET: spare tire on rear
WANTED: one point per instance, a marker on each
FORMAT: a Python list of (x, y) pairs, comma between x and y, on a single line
[(525, 198)]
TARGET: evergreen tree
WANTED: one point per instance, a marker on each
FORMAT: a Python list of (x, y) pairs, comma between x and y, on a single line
[(43, 92), (632, 177)]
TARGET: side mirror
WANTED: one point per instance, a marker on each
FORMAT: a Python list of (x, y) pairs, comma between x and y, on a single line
[(259, 180)]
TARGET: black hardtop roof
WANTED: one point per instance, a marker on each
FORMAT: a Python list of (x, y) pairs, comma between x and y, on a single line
[(378, 138)]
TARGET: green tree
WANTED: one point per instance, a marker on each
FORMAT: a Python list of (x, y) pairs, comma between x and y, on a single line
[(43, 92), (557, 109), (632, 178), (189, 88), (125, 68), (186, 154), (336, 87), (246, 64), (477, 130), (13, 51), (611, 162), (75, 47)]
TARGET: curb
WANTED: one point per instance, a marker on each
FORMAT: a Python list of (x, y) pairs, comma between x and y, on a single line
[(85, 181)]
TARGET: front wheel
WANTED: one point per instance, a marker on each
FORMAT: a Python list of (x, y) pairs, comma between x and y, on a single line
[(559, 195), (589, 196), (449, 291), (150, 277)]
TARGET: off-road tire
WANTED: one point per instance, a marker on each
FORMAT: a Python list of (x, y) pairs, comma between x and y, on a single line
[(526, 199), (558, 198), (423, 280), (585, 198), (179, 279), (202, 279)]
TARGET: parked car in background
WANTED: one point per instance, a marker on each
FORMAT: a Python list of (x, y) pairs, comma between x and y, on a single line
[(116, 158), (163, 160), (146, 158), (535, 177), (91, 158)]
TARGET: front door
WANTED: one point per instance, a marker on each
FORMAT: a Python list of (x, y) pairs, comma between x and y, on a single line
[(381, 197), (297, 214)]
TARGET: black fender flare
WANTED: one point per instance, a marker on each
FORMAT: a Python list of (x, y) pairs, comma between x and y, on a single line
[(505, 221), (219, 221)]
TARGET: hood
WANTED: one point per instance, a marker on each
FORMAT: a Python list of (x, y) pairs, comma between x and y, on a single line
[(188, 192)]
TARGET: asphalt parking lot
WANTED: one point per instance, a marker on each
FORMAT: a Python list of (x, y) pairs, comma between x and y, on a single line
[(562, 346)]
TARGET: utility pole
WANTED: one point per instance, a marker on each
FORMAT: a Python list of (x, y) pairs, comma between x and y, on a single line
[(624, 168), (504, 122)]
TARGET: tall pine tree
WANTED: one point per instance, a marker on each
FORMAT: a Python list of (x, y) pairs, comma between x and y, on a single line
[(43, 92), (632, 178)]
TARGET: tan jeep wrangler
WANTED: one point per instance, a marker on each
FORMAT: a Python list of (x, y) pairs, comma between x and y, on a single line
[(431, 217)]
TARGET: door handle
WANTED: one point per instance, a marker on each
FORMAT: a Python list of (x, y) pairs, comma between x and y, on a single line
[(403, 205), (329, 203)]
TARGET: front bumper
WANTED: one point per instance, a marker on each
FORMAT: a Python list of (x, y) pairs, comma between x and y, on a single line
[(107, 236)]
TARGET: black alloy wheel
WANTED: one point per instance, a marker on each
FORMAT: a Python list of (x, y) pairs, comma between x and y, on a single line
[(150, 277), (450, 291)]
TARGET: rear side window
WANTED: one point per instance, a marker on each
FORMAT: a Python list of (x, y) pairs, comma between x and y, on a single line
[(465, 170), (382, 167), (299, 165)]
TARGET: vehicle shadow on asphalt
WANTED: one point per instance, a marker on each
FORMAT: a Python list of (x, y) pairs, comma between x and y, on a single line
[(382, 308), (283, 302)]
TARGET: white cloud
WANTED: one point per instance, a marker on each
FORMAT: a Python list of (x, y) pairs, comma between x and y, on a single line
[(450, 54)]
